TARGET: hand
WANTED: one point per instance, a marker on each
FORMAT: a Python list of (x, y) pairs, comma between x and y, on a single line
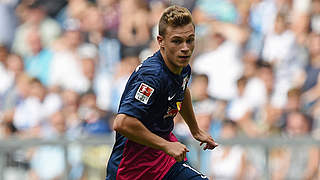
[(205, 137), (176, 150)]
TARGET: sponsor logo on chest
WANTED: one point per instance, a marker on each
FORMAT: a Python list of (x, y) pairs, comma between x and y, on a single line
[(172, 112)]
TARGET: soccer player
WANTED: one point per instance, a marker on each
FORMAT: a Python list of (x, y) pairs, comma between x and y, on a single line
[(145, 147)]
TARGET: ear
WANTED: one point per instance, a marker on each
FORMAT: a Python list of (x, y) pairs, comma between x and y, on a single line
[(160, 40)]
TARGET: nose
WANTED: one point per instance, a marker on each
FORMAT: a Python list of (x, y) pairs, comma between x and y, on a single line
[(185, 48)]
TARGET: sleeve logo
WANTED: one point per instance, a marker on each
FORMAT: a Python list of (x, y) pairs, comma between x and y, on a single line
[(144, 93)]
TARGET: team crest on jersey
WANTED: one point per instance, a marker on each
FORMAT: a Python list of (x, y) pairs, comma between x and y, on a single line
[(143, 93)]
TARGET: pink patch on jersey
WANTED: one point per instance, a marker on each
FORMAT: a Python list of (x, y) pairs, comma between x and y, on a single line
[(142, 162)]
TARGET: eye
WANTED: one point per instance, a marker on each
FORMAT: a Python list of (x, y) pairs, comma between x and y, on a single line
[(190, 40), (176, 41)]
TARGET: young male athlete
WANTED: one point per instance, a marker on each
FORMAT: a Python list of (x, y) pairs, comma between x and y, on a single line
[(145, 148)]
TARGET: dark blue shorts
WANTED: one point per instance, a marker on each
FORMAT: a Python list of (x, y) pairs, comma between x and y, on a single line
[(182, 171)]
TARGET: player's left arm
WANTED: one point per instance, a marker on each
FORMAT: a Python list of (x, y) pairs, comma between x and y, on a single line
[(188, 115)]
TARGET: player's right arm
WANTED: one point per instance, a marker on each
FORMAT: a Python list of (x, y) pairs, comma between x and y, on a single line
[(134, 130)]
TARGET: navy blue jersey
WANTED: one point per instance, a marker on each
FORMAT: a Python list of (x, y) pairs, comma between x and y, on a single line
[(153, 95)]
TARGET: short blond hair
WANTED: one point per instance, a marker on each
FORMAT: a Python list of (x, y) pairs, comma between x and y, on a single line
[(174, 16)]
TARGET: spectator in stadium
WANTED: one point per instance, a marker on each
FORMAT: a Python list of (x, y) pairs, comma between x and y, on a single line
[(17, 89), (108, 53), (156, 9), (238, 106), (205, 108), (66, 71), (38, 106), (35, 15), (111, 16), (296, 162), (285, 37), (123, 71), (134, 31), (38, 63), (94, 120), (256, 96), (15, 65), (311, 82), (279, 50), (48, 161), (96, 33), (16, 94), (311, 85), (6, 78), (70, 105), (226, 40), (294, 103), (74, 9), (228, 162), (145, 116), (9, 21), (203, 104), (315, 16)]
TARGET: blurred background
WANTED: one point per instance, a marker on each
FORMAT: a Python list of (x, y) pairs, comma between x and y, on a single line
[(255, 84)]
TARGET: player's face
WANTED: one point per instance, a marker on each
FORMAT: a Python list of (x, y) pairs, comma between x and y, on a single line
[(177, 46)]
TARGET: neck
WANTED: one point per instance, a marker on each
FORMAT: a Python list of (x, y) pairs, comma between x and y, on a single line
[(171, 67)]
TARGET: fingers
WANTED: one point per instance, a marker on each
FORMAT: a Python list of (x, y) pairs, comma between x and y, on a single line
[(206, 147), (216, 144), (187, 150), (177, 150), (210, 146), (206, 139), (183, 155)]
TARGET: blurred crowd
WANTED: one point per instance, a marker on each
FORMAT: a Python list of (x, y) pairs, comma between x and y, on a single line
[(64, 65)]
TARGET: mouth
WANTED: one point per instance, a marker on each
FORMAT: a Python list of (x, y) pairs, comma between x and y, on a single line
[(184, 57)]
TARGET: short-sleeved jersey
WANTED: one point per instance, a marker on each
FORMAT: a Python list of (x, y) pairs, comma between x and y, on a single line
[(153, 95)]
